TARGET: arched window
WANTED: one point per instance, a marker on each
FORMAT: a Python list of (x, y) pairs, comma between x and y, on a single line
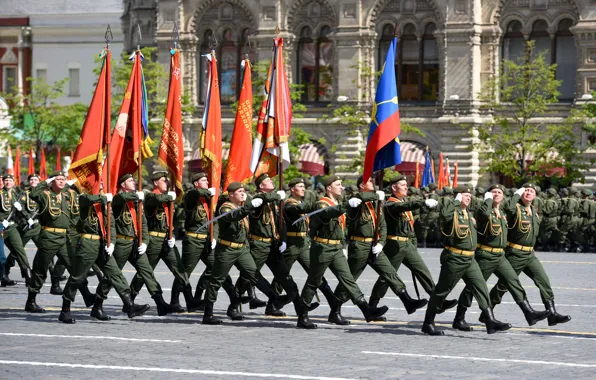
[(204, 49), (430, 65), (386, 38), (408, 65), (315, 65), (566, 59), (542, 40), (514, 44)]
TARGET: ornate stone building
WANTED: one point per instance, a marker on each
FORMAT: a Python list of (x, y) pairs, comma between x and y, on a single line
[(448, 49)]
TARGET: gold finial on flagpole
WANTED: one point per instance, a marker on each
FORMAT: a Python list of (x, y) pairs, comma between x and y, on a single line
[(277, 30)]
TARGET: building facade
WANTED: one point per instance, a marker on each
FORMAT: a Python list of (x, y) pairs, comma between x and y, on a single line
[(448, 50)]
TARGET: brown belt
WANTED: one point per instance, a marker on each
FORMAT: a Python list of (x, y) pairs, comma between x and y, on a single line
[(326, 241), (295, 234), (230, 244), (460, 251), (196, 236), (52, 229), (124, 237), (490, 249), (361, 238), (157, 234), (524, 248), (398, 238), (90, 236), (260, 238)]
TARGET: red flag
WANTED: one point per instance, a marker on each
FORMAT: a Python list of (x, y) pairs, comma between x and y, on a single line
[(9, 162), (17, 167), (441, 176), (455, 169), (211, 134), (43, 170), (275, 119), (127, 137), (58, 158), (31, 169), (171, 148), (447, 173), (238, 169), (417, 177), (87, 160)]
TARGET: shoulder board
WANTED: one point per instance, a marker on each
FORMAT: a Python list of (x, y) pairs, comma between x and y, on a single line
[(292, 201), (229, 205)]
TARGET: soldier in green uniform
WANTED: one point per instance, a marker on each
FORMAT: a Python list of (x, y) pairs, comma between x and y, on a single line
[(9, 205), (569, 215), (490, 255), (92, 249), (366, 248), (127, 247), (233, 249), (523, 230), (328, 229), (432, 219), (548, 224), (54, 216), (457, 262), (158, 210), (401, 246), (588, 214), (266, 245)]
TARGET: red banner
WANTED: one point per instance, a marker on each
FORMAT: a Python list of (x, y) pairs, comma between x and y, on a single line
[(31, 168), (17, 167), (43, 169)]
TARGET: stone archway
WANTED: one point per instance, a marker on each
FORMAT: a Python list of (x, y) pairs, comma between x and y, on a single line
[(406, 7), (503, 4)]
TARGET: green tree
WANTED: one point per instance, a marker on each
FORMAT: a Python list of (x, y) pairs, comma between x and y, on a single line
[(519, 97)]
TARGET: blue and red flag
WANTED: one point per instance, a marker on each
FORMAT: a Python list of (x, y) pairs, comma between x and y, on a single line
[(382, 149)]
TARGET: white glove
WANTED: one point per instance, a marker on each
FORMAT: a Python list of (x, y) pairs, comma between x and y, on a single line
[(213, 243), (110, 249), (355, 202), (488, 195), (282, 194), (31, 222), (257, 202), (142, 248), (18, 206), (71, 182), (345, 251), (49, 180), (140, 194), (171, 242), (458, 197), (378, 248), (381, 195), (283, 246), (172, 195), (431, 203), (109, 197), (520, 191), (212, 191), (5, 223)]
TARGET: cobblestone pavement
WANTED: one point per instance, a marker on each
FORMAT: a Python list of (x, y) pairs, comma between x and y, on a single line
[(178, 346)]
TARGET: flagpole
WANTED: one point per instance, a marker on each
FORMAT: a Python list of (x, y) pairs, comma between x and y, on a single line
[(108, 37), (175, 37), (280, 165), (140, 170)]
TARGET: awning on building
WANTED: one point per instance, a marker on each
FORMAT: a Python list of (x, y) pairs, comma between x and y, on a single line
[(312, 159), (195, 164), (548, 170), (411, 152)]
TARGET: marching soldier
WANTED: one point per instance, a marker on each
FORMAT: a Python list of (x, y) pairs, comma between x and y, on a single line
[(233, 249), (328, 235), (159, 214), (492, 239), (55, 212), (92, 249), (127, 247), (521, 238), (550, 214), (366, 248), (401, 246), (588, 214), (457, 262)]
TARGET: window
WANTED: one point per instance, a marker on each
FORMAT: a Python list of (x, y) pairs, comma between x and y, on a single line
[(315, 65), (42, 74), (542, 40), (514, 44), (408, 65), (73, 83), (565, 56), (9, 78), (430, 65), (204, 50)]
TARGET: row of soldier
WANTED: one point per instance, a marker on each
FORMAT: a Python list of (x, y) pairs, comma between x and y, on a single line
[(249, 235)]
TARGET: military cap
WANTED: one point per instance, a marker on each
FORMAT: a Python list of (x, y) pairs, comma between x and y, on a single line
[(587, 192), (432, 186), (447, 190), (34, 175), (124, 178), (235, 186), (528, 185), (260, 179), (480, 190), (296, 181), (158, 175), (307, 182), (463, 189), (513, 190), (359, 181), (398, 178), (197, 176), (426, 189), (551, 191), (7, 176), (56, 174), (495, 186), (564, 192), (327, 181), (538, 189)]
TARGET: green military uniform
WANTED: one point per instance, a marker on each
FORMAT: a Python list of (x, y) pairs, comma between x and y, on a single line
[(12, 238), (521, 238), (588, 215), (432, 219), (548, 224), (568, 220)]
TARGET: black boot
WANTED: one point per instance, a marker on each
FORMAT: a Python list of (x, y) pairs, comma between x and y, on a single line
[(459, 322), (31, 306), (447, 304), (272, 311), (532, 316), (304, 322), (192, 304), (335, 315), (56, 289), (428, 327), (97, 311), (175, 301), (411, 304), (133, 295), (493, 325), (132, 309), (163, 308), (555, 318), (6, 281), (88, 297), (371, 313), (65, 313), (208, 318), (254, 302), (373, 301), (234, 312)]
